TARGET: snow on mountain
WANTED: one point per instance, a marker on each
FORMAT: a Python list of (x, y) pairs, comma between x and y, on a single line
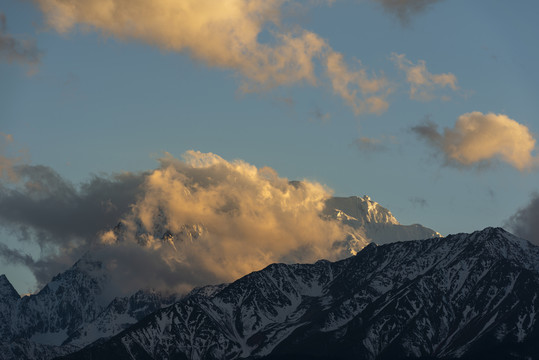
[(121, 313), (71, 311), (69, 300), (371, 222), (459, 296), (75, 309)]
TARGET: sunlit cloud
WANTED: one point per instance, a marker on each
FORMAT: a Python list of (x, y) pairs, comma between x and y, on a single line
[(226, 34), (17, 50), (349, 84), (205, 215), (194, 221), (423, 84), (478, 138)]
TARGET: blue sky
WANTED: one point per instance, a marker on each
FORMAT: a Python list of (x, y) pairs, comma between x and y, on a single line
[(101, 100)]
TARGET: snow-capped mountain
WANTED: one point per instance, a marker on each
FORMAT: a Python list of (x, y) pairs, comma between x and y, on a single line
[(71, 311), (371, 222), (460, 296)]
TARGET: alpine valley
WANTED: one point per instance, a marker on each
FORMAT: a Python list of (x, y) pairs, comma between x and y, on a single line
[(464, 296)]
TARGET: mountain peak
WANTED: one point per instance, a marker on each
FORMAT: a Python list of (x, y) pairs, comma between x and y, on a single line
[(6, 288)]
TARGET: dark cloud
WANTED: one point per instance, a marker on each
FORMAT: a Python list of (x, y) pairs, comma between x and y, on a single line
[(405, 9), (16, 50), (44, 201), (64, 220), (319, 116), (525, 222), (419, 201)]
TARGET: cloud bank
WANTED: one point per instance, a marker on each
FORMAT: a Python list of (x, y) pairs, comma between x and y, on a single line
[(22, 51), (190, 222), (226, 34), (478, 138)]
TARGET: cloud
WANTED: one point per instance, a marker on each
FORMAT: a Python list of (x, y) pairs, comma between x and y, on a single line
[(524, 222), (214, 220), (347, 83), (369, 144), (419, 201), (423, 84), (6, 162), (404, 9), (225, 34), (478, 138), (37, 205), (16, 50), (189, 222), (320, 116)]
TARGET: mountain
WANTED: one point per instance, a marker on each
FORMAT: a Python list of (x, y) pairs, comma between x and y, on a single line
[(77, 308), (463, 296), (72, 310), (371, 222)]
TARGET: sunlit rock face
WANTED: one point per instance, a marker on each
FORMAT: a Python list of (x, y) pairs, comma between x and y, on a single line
[(463, 296)]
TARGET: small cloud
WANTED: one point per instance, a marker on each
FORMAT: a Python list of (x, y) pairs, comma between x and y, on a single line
[(418, 201), (366, 144), (16, 50), (423, 84), (405, 9), (319, 116), (478, 138), (286, 100)]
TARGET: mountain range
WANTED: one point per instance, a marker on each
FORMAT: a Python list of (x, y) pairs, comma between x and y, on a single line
[(452, 297)]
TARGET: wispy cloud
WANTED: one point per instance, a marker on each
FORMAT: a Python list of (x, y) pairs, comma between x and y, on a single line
[(226, 34), (17, 50), (423, 84), (478, 138), (350, 84)]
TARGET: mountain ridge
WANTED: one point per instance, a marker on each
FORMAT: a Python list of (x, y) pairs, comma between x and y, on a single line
[(416, 299)]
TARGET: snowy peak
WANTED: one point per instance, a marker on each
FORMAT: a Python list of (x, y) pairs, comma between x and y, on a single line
[(371, 222), (361, 209), (499, 244)]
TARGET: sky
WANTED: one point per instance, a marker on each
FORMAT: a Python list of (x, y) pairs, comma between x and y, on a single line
[(429, 107)]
